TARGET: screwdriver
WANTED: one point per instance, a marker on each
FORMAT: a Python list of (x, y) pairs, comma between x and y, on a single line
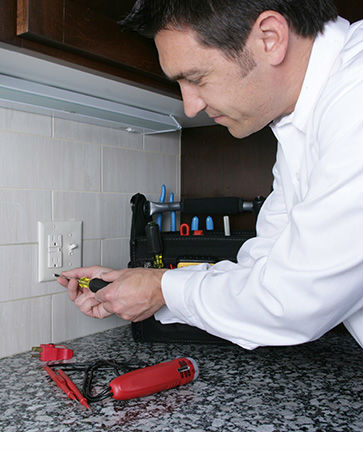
[(152, 232), (93, 285)]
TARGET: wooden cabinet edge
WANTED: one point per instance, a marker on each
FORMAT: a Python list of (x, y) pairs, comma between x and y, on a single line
[(51, 41)]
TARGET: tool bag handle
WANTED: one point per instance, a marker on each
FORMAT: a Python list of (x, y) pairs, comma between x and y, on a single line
[(215, 206), (206, 206)]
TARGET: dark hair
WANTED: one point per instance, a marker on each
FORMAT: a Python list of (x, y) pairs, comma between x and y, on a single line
[(226, 24)]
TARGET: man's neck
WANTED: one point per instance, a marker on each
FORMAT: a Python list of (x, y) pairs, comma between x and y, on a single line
[(294, 70)]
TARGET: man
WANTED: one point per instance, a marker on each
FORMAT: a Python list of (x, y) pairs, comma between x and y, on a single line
[(296, 66)]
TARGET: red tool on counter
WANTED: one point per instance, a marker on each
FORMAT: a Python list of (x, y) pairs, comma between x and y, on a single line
[(66, 384), (136, 383), (160, 377), (74, 388), (51, 352), (60, 382)]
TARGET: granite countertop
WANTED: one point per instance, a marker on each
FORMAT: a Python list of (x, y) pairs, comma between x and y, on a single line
[(311, 387)]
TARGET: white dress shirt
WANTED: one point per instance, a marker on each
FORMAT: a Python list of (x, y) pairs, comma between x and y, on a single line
[(302, 274)]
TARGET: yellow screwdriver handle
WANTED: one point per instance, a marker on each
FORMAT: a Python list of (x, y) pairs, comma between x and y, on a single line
[(84, 282)]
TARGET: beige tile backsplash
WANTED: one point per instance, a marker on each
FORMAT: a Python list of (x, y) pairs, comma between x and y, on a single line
[(55, 169)]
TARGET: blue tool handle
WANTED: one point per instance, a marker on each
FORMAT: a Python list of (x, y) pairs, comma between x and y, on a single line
[(159, 217), (195, 224), (209, 223), (172, 214)]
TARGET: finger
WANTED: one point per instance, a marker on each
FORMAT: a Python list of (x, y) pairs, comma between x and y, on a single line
[(62, 281), (73, 289), (88, 305), (99, 312)]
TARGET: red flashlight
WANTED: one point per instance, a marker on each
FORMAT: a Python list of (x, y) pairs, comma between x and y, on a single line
[(160, 377)]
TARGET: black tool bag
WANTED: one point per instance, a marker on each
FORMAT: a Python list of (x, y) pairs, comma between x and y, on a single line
[(211, 247)]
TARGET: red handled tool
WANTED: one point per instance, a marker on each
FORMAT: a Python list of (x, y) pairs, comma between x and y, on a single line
[(160, 377), (133, 384), (60, 382), (74, 388), (66, 384)]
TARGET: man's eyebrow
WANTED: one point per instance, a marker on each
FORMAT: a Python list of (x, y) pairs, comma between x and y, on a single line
[(186, 75)]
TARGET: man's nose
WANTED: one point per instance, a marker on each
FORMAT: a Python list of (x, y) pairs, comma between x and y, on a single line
[(193, 102)]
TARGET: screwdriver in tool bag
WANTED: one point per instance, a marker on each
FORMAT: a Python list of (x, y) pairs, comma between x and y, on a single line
[(154, 242), (160, 377), (93, 285)]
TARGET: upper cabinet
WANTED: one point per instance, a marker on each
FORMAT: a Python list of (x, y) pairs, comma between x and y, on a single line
[(85, 33), (350, 9)]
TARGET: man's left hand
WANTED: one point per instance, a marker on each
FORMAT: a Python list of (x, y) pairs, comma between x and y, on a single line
[(135, 293)]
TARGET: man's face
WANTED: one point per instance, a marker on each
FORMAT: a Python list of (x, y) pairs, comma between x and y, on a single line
[(234, 92)]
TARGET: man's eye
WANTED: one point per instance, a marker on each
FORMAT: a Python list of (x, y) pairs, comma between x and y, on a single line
[(195, 81)]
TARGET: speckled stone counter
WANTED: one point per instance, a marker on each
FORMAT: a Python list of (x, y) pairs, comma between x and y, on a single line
[(311, 387)]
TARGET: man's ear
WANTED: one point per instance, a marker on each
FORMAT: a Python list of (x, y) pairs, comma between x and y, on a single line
[(272, 32)]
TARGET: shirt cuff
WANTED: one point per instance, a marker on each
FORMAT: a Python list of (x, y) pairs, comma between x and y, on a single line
[(164, 315), (173, 286)]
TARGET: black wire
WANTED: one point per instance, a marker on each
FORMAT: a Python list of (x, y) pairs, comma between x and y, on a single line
[(89, 376), (70, 367), (90, 371)]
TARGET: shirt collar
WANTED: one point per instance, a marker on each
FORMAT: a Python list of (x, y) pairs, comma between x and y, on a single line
[(325, 50)]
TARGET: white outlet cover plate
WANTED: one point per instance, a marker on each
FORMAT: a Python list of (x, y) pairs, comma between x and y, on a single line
[(70, 247)]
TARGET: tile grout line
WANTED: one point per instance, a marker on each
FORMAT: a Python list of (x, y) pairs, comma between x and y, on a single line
[(101, 169), (52, 318), (52, 194), (101, 192)]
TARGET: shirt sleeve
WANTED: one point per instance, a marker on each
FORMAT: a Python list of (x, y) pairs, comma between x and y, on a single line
[(302, 274)]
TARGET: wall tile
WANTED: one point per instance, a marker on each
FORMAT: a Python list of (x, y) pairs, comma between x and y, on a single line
[(91, 253), (23, 324), (19, 121), (104, 215), (168, 143), (69, 322), (19, 273), (132, 172), (20, 210), (71, 130), (39, 162), (82, 172), (116, 253)]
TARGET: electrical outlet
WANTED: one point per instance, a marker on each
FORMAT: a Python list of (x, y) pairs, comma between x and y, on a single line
[(60, 247)]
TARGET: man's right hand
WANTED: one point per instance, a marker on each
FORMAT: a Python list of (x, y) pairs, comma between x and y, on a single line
[(83, 298)]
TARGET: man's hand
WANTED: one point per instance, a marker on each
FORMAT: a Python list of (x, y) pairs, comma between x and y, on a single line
[(134, 294), (83, 298)]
